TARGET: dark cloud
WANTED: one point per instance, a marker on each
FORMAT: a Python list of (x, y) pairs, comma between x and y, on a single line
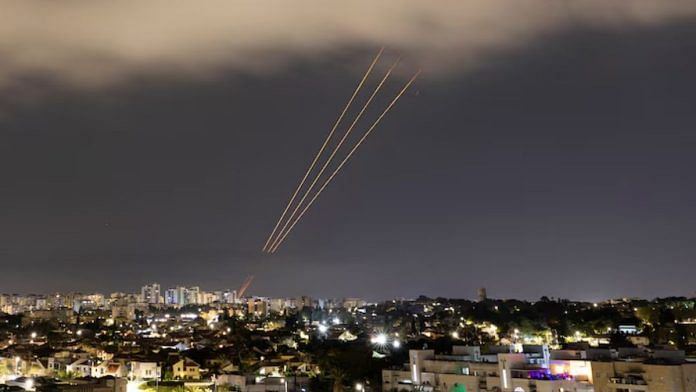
[(96, 44)]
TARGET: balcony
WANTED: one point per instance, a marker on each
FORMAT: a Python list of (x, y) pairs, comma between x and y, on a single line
[(628, 383)]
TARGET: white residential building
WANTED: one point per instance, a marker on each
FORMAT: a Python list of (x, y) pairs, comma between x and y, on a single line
[(151, 293), (182, 296), (535, 369), (81, 367), (110, 368), (467, 369), (144, 371)]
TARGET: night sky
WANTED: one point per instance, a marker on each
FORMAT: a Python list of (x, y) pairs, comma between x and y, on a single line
[(553, 155)]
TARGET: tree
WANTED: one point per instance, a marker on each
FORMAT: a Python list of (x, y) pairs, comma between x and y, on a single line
[(648, 315), (65, 375)]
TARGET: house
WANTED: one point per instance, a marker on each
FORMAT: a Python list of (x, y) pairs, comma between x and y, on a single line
[(56, 364), (80, 368), (110, 368), (271, 370), (144, 371), (24, 367), (228, 368), (37, 368), (9, 366), (186, 369), (249, 383)]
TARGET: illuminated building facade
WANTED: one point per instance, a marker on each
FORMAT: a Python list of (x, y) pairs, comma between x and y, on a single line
[(532, 370), (499, 370), (150, 293)]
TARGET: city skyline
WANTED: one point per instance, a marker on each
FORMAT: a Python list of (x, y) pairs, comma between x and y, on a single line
[(542, 151), (128, 342), (233, 294)]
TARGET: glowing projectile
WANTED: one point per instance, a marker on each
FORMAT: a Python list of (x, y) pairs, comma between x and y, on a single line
[(335, 150), (326, 183), (245, 286), (321, 150)]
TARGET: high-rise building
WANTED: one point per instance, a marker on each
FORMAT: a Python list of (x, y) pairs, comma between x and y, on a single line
[(171, 296), (181, 295), (276, 305), (350, 303), (258, 307), (304, 302), (151, 293), (229, 297), (482, 294), (191, 295)]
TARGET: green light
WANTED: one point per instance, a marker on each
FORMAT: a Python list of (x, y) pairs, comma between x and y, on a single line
[(459, 388)]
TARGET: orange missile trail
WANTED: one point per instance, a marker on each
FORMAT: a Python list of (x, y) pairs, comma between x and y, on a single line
[(321, 150), (352, 151), (245, 286), (335, 150)]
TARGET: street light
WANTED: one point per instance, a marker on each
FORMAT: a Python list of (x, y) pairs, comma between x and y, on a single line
[(379, 339), (284, 382), (358, 386)]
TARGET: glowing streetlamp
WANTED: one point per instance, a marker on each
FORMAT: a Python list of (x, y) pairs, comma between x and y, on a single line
[(359, 387), (379, 339)]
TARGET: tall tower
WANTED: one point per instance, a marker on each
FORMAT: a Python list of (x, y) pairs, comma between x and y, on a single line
[(482, 294), (151, 293)]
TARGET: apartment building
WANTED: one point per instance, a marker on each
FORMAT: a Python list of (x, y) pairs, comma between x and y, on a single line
[(536, 369)]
